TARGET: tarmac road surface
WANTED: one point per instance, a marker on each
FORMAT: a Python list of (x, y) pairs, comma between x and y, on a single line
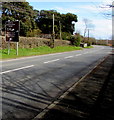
[(30, 84)]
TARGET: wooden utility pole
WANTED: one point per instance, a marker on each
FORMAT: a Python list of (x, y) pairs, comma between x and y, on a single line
[(88, 34), (53, 35), (53, 25), (88, 37), (60, 30)]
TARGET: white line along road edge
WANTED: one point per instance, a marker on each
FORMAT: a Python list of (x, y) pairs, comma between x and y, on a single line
[(16, 69)]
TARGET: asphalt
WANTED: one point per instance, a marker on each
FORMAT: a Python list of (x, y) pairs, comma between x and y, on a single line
[(29, 85), (91, 99)]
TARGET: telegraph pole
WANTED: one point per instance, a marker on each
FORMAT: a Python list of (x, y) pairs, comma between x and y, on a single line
[(88, 38), (53, 25), (53, 34), (88, 35), (60, 30)]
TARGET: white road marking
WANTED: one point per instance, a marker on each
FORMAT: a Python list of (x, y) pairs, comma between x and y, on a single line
[(16, 69), (37, 56), (86, 53), (30, 57), (109, 52), (78, 54), (68, 57), (51, 61)]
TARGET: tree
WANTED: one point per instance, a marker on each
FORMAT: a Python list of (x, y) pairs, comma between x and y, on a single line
[(21, 11), (88, 27), (44, 21), (35, 20), (76, 39), (67, 25)]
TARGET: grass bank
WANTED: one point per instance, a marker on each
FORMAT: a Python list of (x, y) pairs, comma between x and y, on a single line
[(35, 51)]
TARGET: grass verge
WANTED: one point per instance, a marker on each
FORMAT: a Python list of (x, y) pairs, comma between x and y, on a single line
[(35, 51)]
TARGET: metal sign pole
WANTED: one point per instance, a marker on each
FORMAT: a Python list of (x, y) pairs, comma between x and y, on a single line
[(8, 47), (17, 48), (12, 29)]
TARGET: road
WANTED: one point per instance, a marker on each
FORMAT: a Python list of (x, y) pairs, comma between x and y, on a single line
[(30, 84)]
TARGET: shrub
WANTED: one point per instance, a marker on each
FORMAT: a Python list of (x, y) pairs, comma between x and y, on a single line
[(66, 35), (33, 33), (75, 40), (78, 40)]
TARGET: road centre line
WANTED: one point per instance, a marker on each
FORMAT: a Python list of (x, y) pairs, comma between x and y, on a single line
[(78, 54), (51, 61), (86, 53), (30, 57), (16, 69), (69, 57)]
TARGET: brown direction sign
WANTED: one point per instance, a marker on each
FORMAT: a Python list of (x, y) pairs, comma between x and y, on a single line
[(12, 31)]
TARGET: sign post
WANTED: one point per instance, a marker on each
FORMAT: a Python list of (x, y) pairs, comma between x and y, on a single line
[(17, 48), (8, 47), (12, 33)]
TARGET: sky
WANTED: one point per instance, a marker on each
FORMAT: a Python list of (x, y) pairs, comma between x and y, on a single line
[(91, 10)]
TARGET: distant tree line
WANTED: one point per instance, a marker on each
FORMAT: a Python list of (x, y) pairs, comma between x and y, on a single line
[(33, 22)]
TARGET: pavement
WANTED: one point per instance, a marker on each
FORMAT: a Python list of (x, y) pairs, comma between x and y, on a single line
[(92, 98)]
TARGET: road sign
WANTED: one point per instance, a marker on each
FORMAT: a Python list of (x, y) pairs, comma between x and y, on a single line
[(12, 31)]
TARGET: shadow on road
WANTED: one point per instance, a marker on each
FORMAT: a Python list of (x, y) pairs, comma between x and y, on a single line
[(92, 99), (19, 100)]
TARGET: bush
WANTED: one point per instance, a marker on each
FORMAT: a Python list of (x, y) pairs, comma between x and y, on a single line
[(88, 43), (66, 35), (33, 33), (75, 40)]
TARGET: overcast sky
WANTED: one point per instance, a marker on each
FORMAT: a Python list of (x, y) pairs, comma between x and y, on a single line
[(90, 10)]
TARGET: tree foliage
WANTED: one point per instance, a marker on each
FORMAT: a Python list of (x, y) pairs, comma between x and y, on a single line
[(76, 39), (31, 19), (21, 11), (45, 18)]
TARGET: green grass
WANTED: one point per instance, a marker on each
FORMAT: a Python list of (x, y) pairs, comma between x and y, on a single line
[(35, 51)]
